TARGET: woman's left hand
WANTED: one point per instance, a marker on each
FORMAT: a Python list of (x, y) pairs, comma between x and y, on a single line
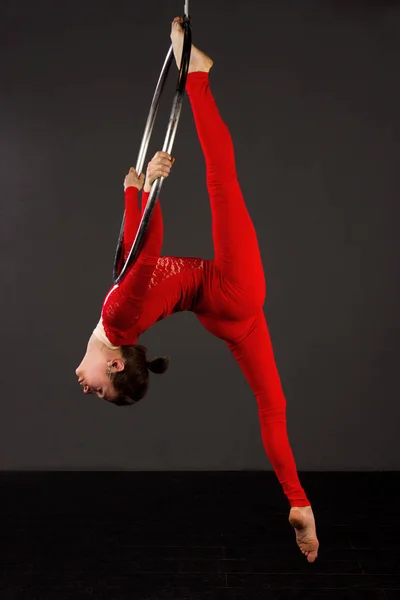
[(134, 180)]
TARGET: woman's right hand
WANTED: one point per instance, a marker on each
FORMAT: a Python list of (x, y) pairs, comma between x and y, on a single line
[(159, 166), (134, 180)]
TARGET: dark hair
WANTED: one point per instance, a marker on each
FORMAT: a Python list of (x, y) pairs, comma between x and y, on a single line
[(132, 383)]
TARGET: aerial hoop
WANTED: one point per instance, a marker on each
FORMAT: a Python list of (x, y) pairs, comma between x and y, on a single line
[(167, 147)]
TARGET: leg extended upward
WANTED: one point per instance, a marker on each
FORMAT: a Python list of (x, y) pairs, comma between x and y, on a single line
[(236, 251)]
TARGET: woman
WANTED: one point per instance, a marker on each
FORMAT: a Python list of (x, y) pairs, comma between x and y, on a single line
[(226, 294)]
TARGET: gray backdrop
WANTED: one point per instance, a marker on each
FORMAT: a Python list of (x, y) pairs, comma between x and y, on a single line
[(310, 91)]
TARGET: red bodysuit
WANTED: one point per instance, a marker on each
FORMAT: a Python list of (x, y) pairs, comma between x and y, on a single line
[(226, 294)]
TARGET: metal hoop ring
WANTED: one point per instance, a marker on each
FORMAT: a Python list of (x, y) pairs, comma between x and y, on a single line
[(167, 147)]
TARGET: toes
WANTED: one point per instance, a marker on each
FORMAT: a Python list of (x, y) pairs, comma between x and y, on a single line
[(312, 557)]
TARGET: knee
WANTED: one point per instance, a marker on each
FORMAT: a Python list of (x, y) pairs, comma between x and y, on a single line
[(221, 181), (274, 414)]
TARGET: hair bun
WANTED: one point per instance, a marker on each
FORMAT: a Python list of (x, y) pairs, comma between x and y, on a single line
[(158, 365)]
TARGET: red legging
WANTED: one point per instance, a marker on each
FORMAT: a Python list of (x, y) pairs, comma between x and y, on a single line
[(234, 289)]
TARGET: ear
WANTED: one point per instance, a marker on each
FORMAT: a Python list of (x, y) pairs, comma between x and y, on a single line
[(117, 365)]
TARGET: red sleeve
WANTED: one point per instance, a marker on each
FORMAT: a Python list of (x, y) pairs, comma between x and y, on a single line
[(123, 304), (133, 216)]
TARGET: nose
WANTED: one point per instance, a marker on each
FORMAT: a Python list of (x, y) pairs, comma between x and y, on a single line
[(85, 389)]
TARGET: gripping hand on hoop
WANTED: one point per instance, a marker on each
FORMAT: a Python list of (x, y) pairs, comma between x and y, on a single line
[(134, 180), (159, 166)]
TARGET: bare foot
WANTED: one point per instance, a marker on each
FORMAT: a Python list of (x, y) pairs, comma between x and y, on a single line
[(198, 60), (302, 519)]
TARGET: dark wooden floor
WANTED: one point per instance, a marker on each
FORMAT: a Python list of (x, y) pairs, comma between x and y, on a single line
[(195, 536)]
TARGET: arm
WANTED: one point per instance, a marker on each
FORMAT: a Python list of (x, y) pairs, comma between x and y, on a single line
[(133, 216), (123, 304), (159, 166), (132, 186)]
